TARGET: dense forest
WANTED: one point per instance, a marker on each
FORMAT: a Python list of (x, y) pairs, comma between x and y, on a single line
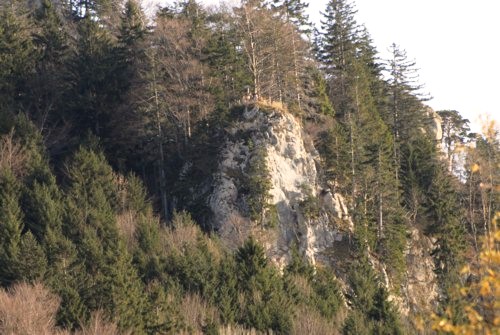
[(112, 124)]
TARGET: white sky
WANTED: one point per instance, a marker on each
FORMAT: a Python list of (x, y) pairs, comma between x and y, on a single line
[(455, 43)]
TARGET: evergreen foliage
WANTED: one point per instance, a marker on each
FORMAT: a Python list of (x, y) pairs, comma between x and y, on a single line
[(258, 186), (108, 117), (10, 227)]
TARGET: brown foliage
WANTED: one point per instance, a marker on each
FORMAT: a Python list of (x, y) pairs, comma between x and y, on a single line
[(31, 310), (308, 321), (98, 325), (240, 330), (183, 236), (127, 226), (28, 309), (197, 313), (12, 155)]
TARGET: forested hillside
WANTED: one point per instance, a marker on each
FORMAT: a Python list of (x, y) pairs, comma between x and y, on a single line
[(234, 170)]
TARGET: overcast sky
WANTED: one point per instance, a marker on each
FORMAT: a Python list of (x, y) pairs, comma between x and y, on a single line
[(455, 43)]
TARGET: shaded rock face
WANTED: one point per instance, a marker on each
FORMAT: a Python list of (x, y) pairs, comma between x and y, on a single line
[(294, 175), (420, 290)]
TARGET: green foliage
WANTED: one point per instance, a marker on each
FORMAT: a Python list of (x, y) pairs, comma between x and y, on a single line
[(10, 227), (324, 105), (384, 315), (258, 185), (327, 295), (17, 53), (250, 260), (370, 303), (95, 88), (298, 265), (32, 261), (266, 303), (158, 99), (444, 207), (310, 206), (356, 324)]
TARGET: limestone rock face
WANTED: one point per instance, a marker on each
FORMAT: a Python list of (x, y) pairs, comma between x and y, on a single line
[(292, 162), (435, 124), (295, 176), (421, 289)]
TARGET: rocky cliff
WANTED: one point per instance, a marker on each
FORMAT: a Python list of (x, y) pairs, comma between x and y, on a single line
[(308, 214)]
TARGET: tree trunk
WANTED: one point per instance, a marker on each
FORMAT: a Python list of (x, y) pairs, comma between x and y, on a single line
[(163, 179)]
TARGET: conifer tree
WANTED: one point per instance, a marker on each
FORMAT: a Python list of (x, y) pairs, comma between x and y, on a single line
[(386, 320), (10, 227), (445, 209), (127, 125), (18, 55), (337, 52), (258, 186), (91, 223), (226, 62), (129, 51), (267, 305), (32, 260), (455, 130), (295, 12), (406, 111), (49, 83), (93, 88)]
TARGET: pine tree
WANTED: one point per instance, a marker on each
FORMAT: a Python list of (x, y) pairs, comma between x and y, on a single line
[(226, 295), (356, 324), (386, 320), (406, 111), (267, 306), (337, 52), (18, 55), (258, 186), (126, 131), (250, 260), (95, 89), (455, 134), (91, 223), (226, 63), (32, 261), (43, 205), (295, 12), (10, 228), (445, 210), (132, 37), (338, 46), (49, 84)]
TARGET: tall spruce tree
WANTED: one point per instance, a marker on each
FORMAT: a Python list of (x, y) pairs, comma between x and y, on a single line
[(91, 223), (18, 55), (406, 113), (337, 52), (94, 89), (49, 84), (11, 226)]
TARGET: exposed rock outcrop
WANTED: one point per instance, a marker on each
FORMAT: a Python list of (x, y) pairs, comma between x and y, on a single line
[(292, 162), (435, 124), (421, 289), (295, 178)]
